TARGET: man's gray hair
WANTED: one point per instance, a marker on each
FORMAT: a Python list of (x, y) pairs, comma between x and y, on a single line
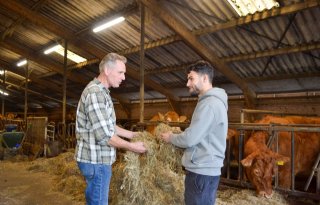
[(110, 60)]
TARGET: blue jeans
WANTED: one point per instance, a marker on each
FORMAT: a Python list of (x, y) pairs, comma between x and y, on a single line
[(98, 178), (200, 189)]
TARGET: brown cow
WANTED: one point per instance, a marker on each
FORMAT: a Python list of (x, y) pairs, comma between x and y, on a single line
[(170, 116), (260, 162)]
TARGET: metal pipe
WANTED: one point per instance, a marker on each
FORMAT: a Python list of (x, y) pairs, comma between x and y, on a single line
[(273, 112), (276, 183), (318, 181), (240, 170), (292, 161), (276, 128), (3, 89), (314, 168), (173, 124), (228, 158)]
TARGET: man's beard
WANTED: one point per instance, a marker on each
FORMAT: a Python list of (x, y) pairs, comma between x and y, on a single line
[(194, 91)]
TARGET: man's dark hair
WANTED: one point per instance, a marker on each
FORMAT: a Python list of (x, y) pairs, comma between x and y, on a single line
[(203, 68)]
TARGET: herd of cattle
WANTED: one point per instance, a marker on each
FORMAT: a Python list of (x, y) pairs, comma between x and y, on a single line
[(260, 161)]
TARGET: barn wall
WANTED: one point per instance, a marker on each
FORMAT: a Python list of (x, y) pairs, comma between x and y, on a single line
[(301, 106), (55, 115), (19, 112)]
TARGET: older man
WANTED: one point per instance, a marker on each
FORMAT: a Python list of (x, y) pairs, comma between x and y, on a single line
[(96, 130)]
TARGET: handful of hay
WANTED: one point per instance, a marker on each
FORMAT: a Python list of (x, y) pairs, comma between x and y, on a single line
[(155, 177)]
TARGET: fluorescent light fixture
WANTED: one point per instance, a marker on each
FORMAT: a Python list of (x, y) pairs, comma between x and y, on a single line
[(52, 49), (109, 24), (245, 7), (4, 93), (70, 55), (21, 63)]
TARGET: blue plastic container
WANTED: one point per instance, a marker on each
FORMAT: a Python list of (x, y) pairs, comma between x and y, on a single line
[(10, 127)]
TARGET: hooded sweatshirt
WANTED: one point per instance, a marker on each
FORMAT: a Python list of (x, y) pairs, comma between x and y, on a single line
[(205, 139)]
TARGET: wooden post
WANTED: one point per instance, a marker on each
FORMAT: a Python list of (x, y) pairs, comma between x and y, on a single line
[(142, 15), (26, 95), (64, 100), (3, 90)]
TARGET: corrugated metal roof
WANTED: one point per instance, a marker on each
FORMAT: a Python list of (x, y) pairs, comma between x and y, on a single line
[(277, 52)]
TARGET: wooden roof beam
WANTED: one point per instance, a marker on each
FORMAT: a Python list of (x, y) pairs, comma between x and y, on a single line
[(65, 33), (273, 52), (35, 79), (202, 50), (249, 56), (42, 60), (19, 87), (258, 16)]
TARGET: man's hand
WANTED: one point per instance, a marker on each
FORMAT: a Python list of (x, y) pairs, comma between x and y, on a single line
[(166, 136), (138, 147), (134, 134)]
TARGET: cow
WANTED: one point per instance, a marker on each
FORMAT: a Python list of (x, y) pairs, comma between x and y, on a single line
[(261, 163), (170, 116), (159, 117)]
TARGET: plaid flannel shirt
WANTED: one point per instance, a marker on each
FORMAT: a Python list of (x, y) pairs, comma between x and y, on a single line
[(95, 125)]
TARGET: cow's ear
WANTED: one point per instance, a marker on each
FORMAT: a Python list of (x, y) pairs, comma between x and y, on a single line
[(280, 159), (161, 116), (247, 162), (182, 118)]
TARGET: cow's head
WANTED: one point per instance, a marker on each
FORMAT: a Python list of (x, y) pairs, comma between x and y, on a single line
[(260, 166)]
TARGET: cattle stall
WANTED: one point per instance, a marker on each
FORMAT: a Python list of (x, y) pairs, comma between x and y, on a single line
[(234, 172)]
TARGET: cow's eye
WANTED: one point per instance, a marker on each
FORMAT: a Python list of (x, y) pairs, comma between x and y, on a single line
[(257, 172)]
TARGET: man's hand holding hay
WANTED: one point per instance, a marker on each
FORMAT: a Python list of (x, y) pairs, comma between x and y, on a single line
[(138, 147), (166, 136)]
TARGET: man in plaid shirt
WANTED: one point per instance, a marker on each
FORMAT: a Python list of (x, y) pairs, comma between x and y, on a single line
[(96, 130)]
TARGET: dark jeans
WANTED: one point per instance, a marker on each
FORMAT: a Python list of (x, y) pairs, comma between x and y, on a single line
[(98, 178), (200, 189)]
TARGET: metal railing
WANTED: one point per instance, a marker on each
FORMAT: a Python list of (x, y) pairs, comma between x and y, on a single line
[(273, 131)]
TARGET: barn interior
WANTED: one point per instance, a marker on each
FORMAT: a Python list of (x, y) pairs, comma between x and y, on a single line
[(265, 54)]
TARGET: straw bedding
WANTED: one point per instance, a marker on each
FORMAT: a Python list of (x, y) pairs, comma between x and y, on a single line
[(153, 178)]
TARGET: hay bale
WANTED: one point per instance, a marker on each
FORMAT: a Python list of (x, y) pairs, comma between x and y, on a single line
[(116, 189), (151, 178), (167, 152), (68, 178), (73, 186)]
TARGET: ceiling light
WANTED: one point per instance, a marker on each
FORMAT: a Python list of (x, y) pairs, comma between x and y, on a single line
[(52, 49), (4, 93), (21, 63), (108, 24), (1, 72), (245, 7), (70, 55)]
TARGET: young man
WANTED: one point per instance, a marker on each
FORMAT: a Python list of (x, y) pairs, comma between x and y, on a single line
[(205, 139), (96, 130)]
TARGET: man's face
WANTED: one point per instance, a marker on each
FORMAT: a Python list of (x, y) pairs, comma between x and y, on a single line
[(195, 83), (115, 74)]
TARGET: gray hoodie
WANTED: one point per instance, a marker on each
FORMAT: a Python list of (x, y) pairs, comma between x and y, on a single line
[(205, 139)]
